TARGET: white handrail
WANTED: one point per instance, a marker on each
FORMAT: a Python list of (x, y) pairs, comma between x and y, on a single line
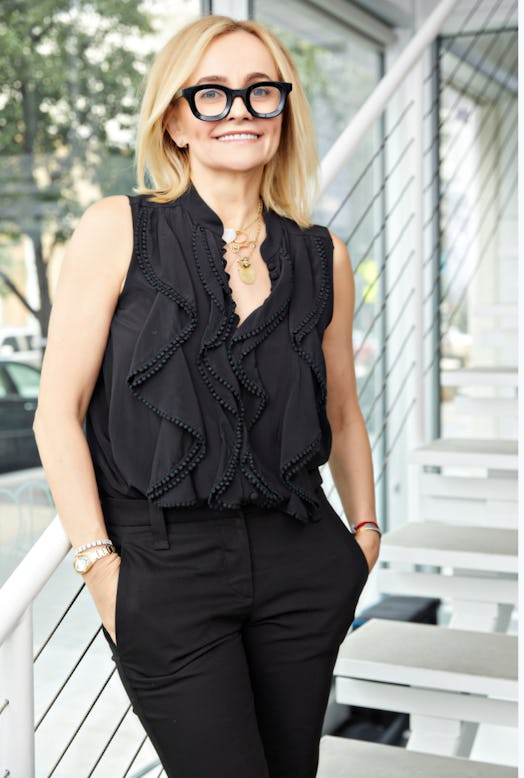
[(378, 99), (33, 572)]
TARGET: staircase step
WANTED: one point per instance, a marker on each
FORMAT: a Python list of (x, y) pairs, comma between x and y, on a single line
[(490, 453), (452, 545), (498, 489), (505, 310), (467, 587), (346, 758), (483, 501), (431, 657), (480, 376)]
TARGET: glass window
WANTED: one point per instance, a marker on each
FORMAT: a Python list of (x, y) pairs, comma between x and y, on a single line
[(338, 68)]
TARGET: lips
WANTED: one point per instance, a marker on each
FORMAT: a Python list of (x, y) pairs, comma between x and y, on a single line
[(232, 136)]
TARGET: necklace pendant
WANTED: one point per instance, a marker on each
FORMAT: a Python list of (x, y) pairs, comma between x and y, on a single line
[(229, 235), (247, 273)]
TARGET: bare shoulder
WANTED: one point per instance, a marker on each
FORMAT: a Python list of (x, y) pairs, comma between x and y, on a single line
[(108, 214), (102, 243)]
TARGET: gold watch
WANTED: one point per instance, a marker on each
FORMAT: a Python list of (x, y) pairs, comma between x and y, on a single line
[(85, 560)]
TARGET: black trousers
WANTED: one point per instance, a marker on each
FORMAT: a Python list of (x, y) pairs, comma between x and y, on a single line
[(228, 625)]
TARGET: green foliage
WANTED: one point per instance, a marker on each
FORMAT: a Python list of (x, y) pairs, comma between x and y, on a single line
[(66, 68), (70, 78)]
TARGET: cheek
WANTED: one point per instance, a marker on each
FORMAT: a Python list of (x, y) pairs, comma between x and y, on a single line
[(200, 132), (192, 128), (276, 131)]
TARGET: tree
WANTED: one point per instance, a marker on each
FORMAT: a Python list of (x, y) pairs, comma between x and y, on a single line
[(69, 82)]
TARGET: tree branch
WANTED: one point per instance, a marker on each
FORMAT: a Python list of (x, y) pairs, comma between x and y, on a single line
[(14, 289)]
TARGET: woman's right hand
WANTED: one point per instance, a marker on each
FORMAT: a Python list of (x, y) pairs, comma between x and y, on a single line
[(102, 582)]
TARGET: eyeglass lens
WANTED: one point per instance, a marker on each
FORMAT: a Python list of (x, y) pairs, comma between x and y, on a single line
[(262, 99)]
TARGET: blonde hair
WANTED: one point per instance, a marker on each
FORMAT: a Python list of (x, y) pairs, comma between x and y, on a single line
[(290, 178)]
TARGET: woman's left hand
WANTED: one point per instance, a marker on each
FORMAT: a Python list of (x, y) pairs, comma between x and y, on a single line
[(369, 542)]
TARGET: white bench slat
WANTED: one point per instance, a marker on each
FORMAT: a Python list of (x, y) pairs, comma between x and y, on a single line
[(431, 656), (455, 587), (496, 454), (345, 758), (480, 376), (449, 545)]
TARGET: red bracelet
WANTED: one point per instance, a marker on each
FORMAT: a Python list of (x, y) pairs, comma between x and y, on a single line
[(363, 523)]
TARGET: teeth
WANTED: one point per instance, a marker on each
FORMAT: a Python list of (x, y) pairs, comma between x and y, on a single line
[(238, 136)]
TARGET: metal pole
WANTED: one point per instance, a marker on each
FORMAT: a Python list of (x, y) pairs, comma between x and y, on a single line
[(436, 240), (418, 246), (16, 684)]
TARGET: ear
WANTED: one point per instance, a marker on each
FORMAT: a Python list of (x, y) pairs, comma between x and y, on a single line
[(174, 130)]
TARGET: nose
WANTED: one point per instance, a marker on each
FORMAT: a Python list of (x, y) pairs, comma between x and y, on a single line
[(238, 107)]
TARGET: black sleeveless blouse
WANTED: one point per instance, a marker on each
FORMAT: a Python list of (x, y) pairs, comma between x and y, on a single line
[(191, 407)]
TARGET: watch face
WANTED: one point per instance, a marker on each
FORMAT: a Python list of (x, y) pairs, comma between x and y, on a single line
[(82, 564)]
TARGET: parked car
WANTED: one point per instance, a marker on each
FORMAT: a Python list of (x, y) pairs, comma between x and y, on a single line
[(21, 344), (19, 385)]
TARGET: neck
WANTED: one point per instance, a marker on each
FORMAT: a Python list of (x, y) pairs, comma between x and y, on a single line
[(234, 197)]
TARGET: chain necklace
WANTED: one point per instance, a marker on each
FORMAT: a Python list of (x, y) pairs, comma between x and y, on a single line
[(238, 243)]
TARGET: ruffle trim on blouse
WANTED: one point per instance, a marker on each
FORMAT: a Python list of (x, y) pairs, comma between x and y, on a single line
[(185, 415), (220, 358), (314, 433)]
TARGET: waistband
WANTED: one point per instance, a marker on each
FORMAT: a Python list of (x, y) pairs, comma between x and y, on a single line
[(131, 512)]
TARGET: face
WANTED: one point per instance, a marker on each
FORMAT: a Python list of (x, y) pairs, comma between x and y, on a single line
[(240, 142)]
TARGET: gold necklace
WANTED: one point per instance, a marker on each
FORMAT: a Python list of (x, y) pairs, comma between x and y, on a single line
[(246, 271)]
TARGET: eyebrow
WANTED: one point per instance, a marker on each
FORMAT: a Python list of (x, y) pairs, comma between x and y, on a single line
[(224, 79)]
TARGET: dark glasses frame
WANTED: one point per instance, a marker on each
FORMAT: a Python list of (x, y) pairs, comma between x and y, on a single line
[(189, 93)]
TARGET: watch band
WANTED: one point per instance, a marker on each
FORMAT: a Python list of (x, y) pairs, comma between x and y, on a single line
[(92, 544), (85, 560)]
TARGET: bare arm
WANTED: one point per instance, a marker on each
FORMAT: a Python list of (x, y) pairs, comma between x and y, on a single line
[(91, 279), (350, 461)]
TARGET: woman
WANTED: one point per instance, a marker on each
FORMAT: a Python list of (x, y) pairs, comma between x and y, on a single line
[(202, 328)]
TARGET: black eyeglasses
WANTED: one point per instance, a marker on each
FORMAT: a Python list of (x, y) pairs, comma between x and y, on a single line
[(210, 102)]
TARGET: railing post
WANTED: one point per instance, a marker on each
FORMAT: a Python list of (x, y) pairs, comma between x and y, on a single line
[(418, 248), (16, 685)]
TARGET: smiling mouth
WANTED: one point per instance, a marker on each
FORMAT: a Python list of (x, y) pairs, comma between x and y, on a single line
[(232, 136)]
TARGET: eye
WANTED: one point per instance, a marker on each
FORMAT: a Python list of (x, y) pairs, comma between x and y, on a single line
[(260, 91), (210, 95)]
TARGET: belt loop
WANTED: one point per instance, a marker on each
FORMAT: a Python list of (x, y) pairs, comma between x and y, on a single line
[(158, 526)]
